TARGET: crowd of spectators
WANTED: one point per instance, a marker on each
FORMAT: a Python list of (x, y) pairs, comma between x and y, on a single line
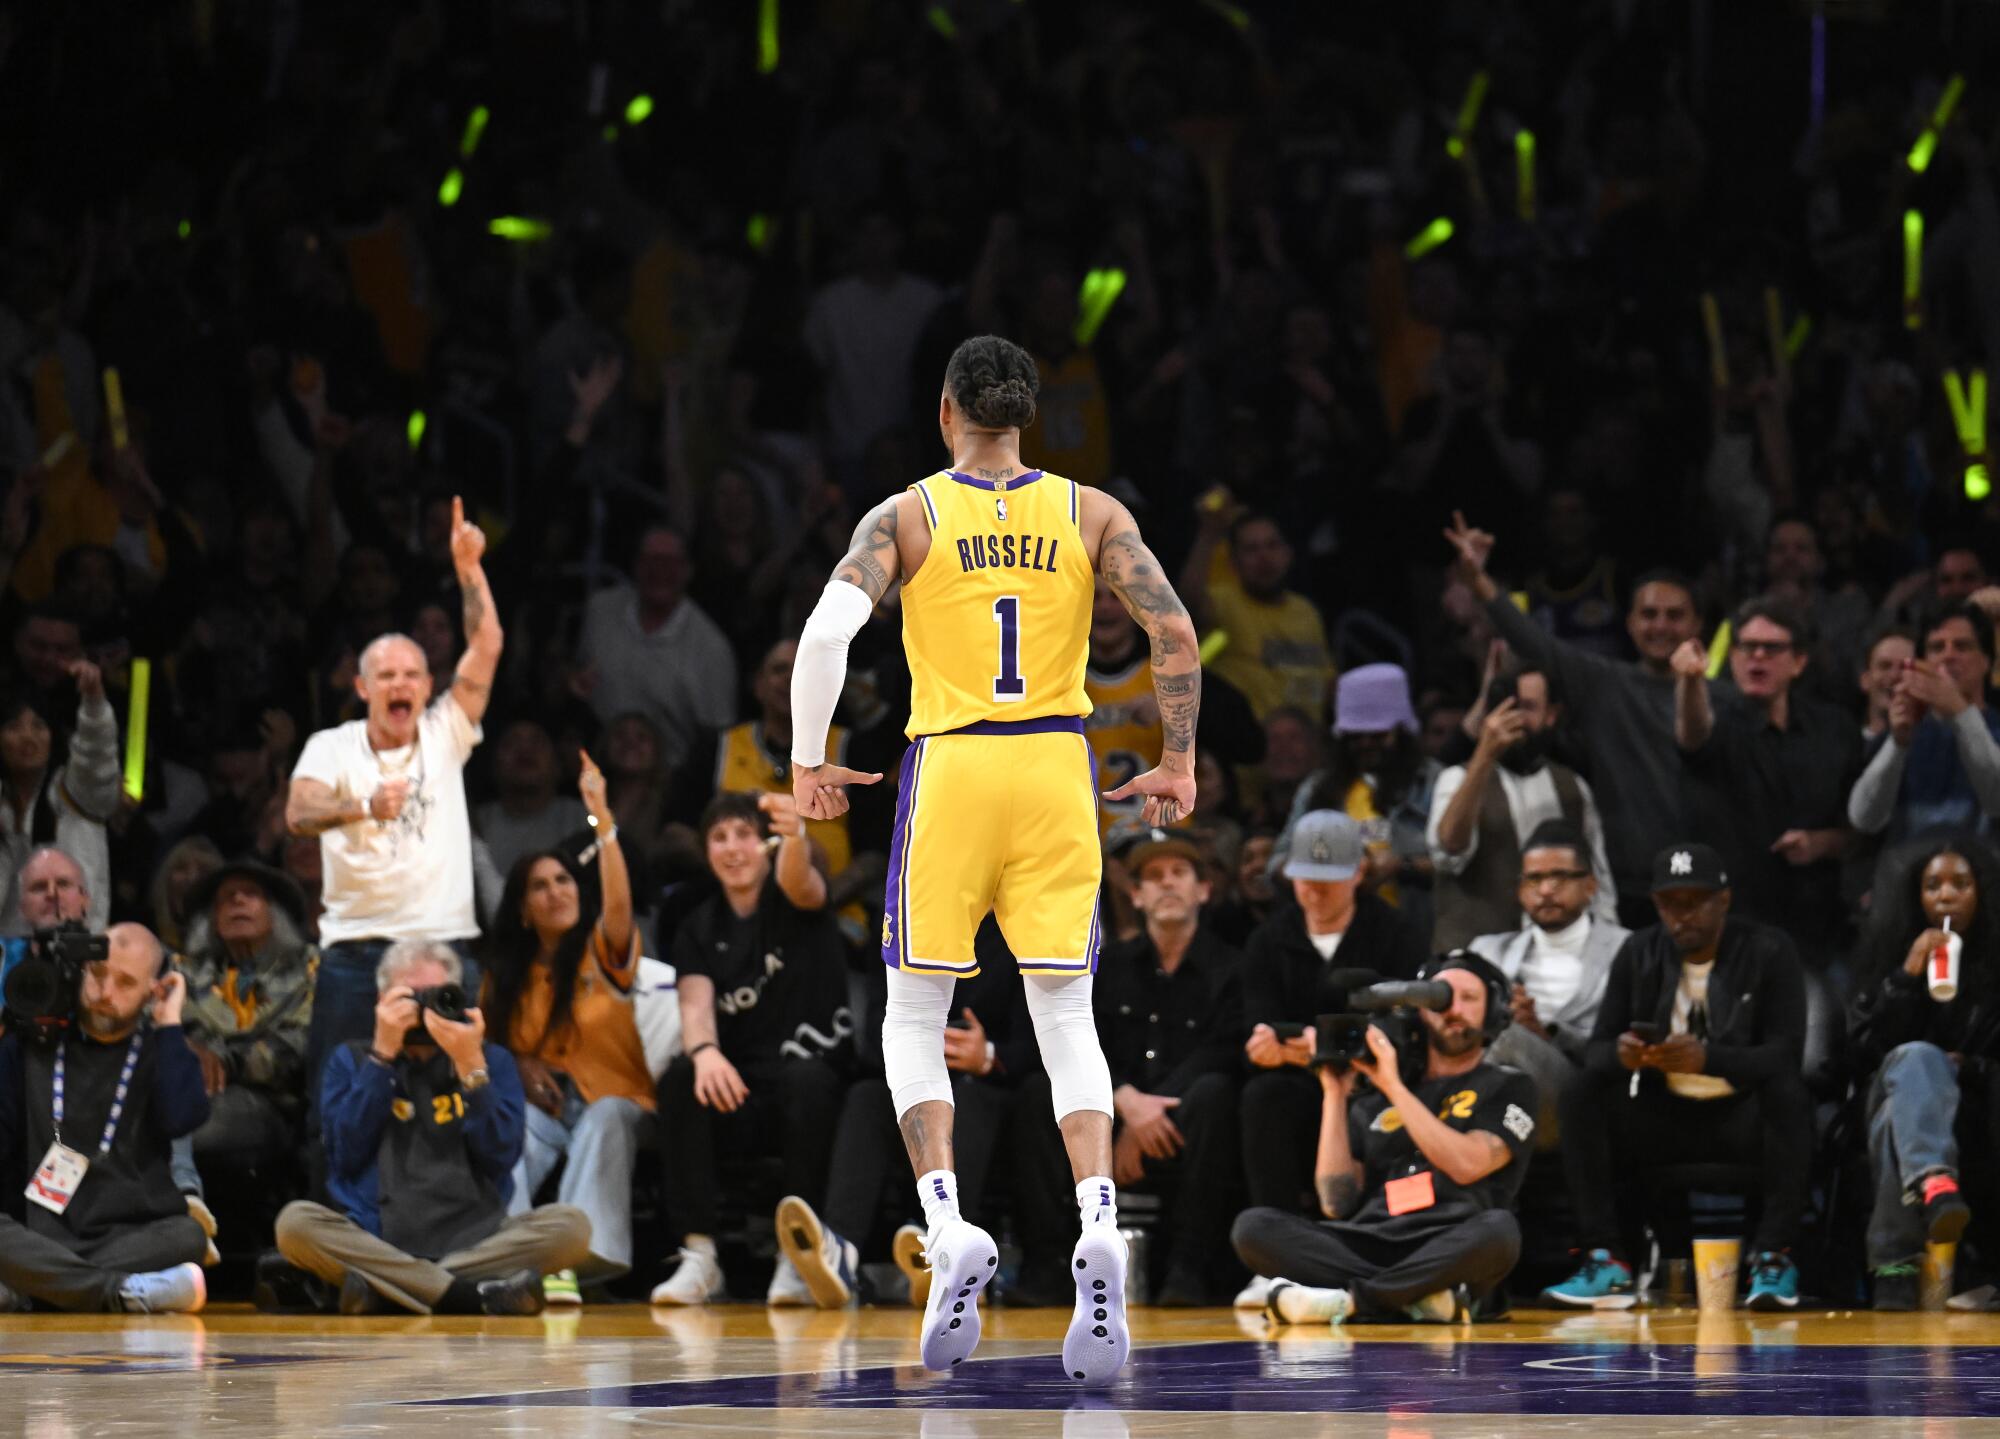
[(1594, 587)]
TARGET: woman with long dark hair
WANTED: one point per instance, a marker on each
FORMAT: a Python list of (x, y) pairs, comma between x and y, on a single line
[(1932, 1060), (559, 989)]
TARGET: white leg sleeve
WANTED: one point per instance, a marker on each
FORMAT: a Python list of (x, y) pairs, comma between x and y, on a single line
[(1079, 1078), (820, 671), (913, 1039)]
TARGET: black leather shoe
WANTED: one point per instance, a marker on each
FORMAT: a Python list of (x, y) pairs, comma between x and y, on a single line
[(358, 1296), (283, 1288), (516, 1293)]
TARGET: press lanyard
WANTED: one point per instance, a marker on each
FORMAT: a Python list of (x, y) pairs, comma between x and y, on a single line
[(117, 1097)]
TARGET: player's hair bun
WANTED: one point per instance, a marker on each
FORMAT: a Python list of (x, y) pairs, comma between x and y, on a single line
[(994, 381)]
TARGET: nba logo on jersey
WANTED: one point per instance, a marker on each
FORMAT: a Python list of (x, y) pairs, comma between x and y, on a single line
[(1000, 504)]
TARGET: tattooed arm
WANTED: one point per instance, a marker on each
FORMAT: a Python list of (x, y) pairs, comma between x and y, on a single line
[(472, 686), (1337, 1174), (872, 562), (1137, 577)]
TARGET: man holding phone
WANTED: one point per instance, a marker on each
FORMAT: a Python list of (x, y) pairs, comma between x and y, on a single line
[(1695, 1059)]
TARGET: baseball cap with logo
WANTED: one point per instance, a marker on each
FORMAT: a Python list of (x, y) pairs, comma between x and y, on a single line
[(1150, 844), (1326, 845), (1688, 866)]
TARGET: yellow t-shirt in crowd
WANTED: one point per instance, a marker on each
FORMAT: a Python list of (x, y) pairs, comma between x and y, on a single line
[(1277, 653)]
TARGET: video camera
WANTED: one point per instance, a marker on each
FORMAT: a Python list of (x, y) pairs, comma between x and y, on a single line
[(1361, 997), (42, 991)]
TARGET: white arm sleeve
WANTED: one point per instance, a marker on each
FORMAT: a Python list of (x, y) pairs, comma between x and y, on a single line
[(820, 672)]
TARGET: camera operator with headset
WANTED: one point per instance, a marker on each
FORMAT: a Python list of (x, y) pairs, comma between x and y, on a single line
[(423, 1125), (1416, 1175), (96, 1081)]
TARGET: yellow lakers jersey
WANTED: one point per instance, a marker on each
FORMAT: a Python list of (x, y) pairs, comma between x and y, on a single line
[(996, 622), (743, 763), (1123, 731)]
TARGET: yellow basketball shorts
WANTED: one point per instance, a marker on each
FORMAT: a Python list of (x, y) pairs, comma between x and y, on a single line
[(998, 816)]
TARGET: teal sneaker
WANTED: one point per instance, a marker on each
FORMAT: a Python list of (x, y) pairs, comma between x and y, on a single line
[(1774, 1282), (1604, 1282)]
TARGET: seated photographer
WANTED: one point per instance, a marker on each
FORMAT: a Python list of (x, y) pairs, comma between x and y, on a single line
[(1557, 964), (559, 985), (1335, 923), (88, 1110), (763, 991), (250, 978), (1695, 1059), (1168, 1007), (423, 1126), (1416, 1175), (1928, 1056)]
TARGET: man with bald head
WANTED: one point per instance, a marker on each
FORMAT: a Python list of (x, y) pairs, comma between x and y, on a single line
[(86, 1122), (386, 797)]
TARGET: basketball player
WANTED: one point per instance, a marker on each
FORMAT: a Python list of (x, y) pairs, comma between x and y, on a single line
[(997, 807)]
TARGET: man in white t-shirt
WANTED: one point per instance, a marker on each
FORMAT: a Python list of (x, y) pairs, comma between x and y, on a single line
[(1557, 963), (386, 796)]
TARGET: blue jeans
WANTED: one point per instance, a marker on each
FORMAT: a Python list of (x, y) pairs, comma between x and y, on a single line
[(601, 1140), (344, 1002), (1912, 1108)]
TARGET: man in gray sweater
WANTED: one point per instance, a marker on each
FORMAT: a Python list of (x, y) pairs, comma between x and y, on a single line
[(1623, 713)]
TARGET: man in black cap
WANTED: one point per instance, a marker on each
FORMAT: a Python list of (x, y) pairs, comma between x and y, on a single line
[(1416, 1181), (1169, 1013), (1695, 1059), (250, 972)]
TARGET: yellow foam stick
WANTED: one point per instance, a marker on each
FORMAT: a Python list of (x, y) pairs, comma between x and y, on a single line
[(1212, 644), (1718, 650), (1520, 599), (135, 730), (1718, 356), (114, 409)]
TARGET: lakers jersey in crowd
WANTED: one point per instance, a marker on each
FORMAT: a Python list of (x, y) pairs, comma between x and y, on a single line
[(1123, 730), (996, 807)]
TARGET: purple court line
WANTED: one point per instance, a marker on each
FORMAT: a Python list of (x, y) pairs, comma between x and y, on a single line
[(1337, 1376)]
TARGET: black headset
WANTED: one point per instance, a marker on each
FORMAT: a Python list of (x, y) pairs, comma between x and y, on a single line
[(1499, 992)]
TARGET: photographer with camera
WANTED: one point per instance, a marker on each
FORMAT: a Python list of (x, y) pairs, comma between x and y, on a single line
[(94, 1087), (1416, 1175), (423, 1125), (1335, 921)]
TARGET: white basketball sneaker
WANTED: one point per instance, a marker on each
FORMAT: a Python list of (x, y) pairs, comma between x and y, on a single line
[(963, 1258), (1098, 1340)]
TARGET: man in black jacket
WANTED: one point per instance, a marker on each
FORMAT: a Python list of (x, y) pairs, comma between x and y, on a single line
[(1695, 1059), (86, 1124), (1334, 925), (1168, 1007)]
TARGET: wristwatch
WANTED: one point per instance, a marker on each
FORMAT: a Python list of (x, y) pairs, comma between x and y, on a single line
[(475, 1081)]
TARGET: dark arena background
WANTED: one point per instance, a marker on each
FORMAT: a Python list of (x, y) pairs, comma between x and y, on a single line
[(1564, 423)]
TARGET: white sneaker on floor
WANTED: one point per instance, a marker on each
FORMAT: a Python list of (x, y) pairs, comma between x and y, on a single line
[(180, 1290), (696, 1280), (1094, 1350), (1256, 1294), (963, 1260), (826, 1262), (1438, 1307), (1291, 1303), (788, 1286), (908, 1250)]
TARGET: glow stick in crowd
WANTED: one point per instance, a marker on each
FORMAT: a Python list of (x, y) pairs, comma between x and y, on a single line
[(1913, 268), (1101, 289), (135, 729), (1927, 143), (767, 36), (1524, 174), (1468, 115), (114, 409), (1429, 238)]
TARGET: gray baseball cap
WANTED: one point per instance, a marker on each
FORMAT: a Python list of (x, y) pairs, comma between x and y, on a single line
[(1326, 845)]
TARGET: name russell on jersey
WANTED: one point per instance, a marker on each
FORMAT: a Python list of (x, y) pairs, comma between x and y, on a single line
[(998, 552)]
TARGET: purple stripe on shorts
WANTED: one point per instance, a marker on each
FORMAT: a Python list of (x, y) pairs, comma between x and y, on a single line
[(893, 900), (1049, 724)]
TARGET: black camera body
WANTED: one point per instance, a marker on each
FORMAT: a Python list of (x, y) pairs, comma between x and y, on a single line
[(1391, 1006), (446, 1001), (43, 990)]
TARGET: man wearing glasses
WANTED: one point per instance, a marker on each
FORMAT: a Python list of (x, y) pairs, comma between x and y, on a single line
[(1771, 769), (1557, 962)]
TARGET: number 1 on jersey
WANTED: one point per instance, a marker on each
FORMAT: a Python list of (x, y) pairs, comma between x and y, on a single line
[(1008, 684)]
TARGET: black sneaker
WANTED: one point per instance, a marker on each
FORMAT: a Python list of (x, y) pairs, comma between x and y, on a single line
[(1895, 1287), (516, 1293), (1945, 1211)]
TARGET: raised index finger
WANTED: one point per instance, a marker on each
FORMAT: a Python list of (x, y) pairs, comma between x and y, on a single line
[(457, 512)]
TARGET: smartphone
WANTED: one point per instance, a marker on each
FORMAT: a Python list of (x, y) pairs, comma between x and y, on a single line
[(1288, 1030), (1648, 1031)]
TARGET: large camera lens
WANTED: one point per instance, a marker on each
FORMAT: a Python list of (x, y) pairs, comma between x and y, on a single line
[(447, 1001), (34, 988)]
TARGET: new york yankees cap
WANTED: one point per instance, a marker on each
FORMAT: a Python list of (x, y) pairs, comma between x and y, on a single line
[(1688, 866)]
